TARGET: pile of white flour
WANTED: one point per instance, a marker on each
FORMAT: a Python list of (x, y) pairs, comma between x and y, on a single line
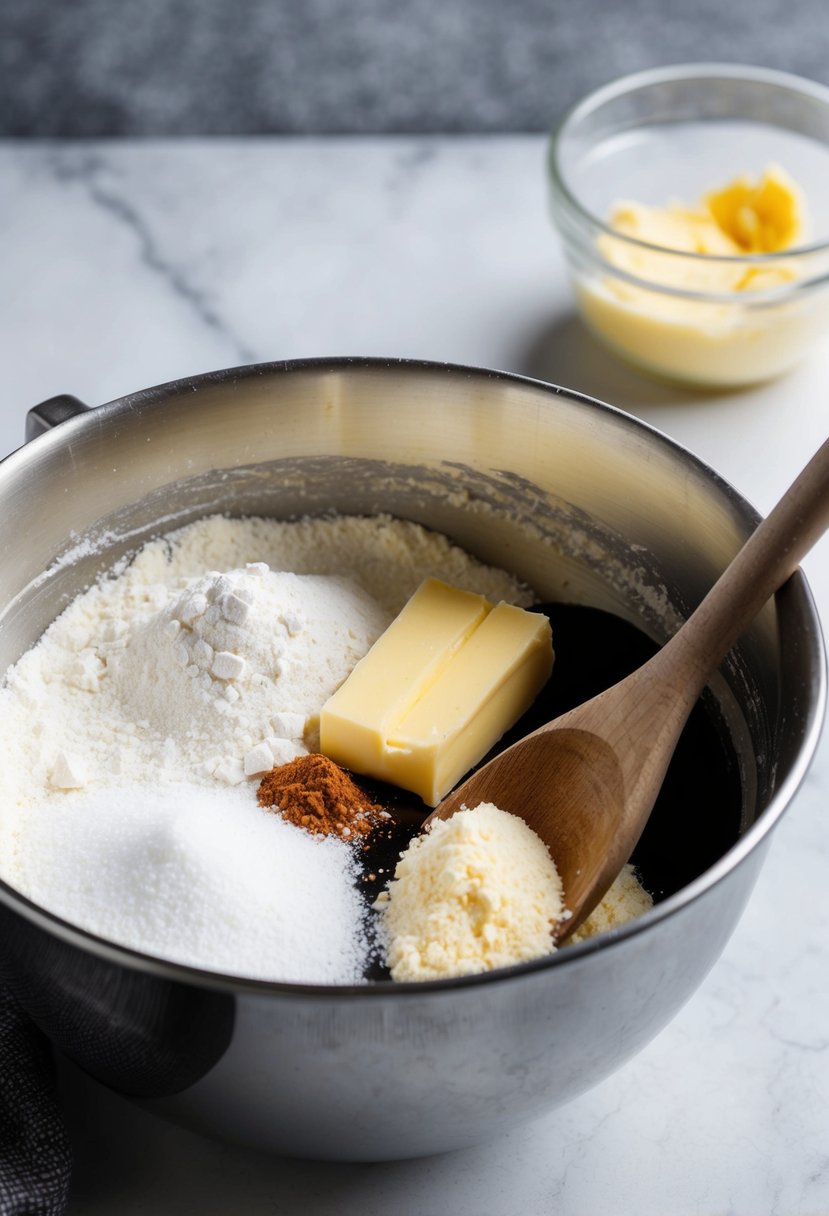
[(138, 724)]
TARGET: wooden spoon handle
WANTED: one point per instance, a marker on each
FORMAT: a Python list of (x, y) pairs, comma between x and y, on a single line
[(769, 556)]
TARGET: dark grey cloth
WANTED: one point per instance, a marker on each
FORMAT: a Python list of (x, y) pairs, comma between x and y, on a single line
[(191, 67), (35, 1156)]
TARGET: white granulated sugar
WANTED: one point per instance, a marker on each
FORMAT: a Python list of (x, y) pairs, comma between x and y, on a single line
[(202, 661), (200, 876)]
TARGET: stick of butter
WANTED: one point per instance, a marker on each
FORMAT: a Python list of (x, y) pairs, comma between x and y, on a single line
[(437, 689)]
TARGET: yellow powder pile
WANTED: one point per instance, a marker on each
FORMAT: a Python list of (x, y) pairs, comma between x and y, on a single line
[(476, 892), (625, 900)]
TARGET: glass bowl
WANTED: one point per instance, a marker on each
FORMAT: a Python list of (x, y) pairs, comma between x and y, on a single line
[(676, 133)]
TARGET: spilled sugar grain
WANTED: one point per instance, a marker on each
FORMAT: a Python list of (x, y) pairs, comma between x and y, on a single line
[(200, 876)]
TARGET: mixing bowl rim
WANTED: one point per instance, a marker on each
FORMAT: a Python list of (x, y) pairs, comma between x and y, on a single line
[(182, 973), (629, 84)]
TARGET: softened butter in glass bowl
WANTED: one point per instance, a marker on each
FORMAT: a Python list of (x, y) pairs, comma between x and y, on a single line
[(657, 146)]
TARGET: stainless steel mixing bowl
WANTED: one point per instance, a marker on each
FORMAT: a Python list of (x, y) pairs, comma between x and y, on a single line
[(585, 503)]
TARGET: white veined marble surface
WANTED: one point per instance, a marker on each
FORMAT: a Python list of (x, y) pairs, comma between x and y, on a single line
[(125, 265)]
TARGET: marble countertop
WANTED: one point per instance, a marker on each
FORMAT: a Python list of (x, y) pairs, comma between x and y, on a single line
[(129, 264)]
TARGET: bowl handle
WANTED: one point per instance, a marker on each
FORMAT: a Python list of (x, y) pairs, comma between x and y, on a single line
[(43, 417)]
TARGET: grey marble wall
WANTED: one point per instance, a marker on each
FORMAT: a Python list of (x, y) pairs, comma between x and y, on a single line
[(156, 67)]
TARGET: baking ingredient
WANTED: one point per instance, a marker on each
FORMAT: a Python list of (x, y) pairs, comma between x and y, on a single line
[(479, 890), (476, 891), (141, 719), (316, 794), (437, 690), (759, 217), (241, 660), (741, 218), (198, 875), (102, 697), (625, 900), (722, 319), (128, 810)]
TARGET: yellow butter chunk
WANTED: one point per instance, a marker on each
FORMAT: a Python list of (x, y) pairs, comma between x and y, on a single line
[(672, 227), (759, 217), (491, 681), (743, 217), (437, 690), (404, 661)]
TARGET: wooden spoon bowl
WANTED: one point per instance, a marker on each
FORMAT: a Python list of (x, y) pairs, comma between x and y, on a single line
[(587, 781)]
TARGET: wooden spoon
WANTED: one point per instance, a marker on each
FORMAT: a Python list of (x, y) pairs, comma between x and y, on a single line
[(587, 781)]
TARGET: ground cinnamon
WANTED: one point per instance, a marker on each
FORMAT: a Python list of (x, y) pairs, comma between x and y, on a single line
[(315, 793)]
